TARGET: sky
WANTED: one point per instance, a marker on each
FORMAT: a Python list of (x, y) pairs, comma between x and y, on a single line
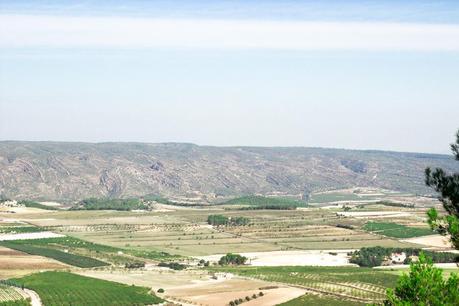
[(351, 74)]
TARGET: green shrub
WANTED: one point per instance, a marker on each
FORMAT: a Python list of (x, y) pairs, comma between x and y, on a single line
[(172, 265)]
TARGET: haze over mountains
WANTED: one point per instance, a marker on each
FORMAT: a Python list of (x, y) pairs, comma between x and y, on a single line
[(72, 171)]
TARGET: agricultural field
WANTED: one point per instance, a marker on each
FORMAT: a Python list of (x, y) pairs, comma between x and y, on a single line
[(265, 201), (12, 296), (25, 246), (342, 283), (16, 264), (397, 230), (298, 255), (186, 232), (63, 288)]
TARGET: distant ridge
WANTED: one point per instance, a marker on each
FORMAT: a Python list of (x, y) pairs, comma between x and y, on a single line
[(76, 170)]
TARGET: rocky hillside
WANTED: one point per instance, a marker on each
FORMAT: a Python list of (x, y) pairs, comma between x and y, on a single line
[(71, 171)]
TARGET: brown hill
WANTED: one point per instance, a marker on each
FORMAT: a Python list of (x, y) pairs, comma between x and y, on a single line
[(71, 171)]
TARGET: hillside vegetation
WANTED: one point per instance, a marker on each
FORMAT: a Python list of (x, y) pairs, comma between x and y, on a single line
[(75, 171)]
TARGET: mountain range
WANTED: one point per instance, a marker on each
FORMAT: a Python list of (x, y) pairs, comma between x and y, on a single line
[(71, 171)]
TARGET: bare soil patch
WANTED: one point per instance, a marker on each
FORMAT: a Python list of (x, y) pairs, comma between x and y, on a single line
[(293, 258), (436, 241)]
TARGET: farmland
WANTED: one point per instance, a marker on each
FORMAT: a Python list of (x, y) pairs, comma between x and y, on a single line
[(186, 232), (63, 288), (396, 230), (354, 284), (265, 201), (68, 258), (12, 296), (299, 254)]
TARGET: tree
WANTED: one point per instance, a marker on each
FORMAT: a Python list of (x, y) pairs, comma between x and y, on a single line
[(232, 259), (423, 286), (448, 187)]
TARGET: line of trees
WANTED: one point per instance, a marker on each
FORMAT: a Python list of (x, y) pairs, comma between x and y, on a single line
[(375, 256)]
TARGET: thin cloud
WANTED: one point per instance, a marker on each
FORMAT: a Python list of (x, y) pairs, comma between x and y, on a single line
[(17, 31)]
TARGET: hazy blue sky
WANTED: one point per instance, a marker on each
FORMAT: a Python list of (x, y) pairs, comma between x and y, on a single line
[(348, 74)]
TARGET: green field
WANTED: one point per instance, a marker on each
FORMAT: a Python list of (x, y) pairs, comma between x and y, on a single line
[(395, 230), (261, 201), (349, 283), (65, 289)]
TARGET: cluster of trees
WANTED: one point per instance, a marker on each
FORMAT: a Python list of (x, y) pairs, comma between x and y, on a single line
[(346, 226), (394, 204), (424, 285), (247, 299), (232, 259), (172, 265), (110, 204), (223, 220), (203, 263), (374, 256), (134, 265)]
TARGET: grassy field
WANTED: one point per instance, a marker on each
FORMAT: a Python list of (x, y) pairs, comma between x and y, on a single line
[(395, 230), (65, 289), (348, 283)]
